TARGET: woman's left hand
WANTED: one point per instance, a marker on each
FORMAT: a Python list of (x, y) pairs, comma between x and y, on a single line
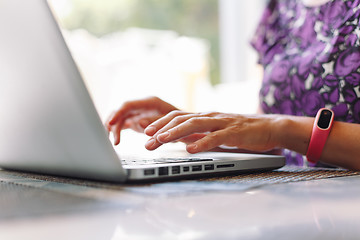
[(254, 133)]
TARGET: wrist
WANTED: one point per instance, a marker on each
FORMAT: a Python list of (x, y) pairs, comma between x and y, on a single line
[(293, 132), (278, 128)]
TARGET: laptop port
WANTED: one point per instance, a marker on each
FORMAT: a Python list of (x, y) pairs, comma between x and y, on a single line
[(225, 165), (163, 171), (186, 169), (149, 172), (209, 167), (196, 168), (175, 170)]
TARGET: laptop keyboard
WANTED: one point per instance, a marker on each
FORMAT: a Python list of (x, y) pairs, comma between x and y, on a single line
[(163, 161)]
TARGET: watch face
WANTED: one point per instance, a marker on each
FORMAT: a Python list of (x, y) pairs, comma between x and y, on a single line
[(324, 119)]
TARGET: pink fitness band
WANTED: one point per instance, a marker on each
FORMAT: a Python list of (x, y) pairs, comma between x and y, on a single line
[(320, 132)]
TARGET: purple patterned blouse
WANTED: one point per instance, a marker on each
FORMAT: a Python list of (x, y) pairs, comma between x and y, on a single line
[(311, 59)]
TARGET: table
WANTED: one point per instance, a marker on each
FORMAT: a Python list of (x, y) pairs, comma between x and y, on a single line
[(291, 203)]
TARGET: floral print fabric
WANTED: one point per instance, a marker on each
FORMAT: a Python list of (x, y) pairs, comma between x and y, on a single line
[(311, 59)]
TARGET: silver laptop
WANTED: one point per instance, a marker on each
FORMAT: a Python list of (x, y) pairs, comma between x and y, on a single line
[(48, 122)]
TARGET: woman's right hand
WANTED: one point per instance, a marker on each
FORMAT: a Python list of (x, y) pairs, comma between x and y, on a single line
[(137, 115)]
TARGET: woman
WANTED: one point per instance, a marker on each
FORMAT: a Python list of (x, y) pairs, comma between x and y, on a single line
[(311, 58)]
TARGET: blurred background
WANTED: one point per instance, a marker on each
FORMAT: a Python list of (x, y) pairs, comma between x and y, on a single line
[(193, 54)]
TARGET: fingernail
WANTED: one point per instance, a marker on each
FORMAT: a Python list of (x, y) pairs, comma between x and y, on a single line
[(164, 136), (150, 143), (151, 130)]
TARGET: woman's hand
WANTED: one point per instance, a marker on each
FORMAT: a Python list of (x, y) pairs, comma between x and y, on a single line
[(259, 133), (137, 115), (213, 129)]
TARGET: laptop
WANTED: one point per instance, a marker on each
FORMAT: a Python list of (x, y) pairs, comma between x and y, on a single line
[(48, 121)]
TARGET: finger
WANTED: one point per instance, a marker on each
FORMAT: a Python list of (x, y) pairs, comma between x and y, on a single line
[(133, 124), (139, 123), (208, 142), (107, 122), (192, 125), (142, 104), (152, 144), (115, 129), (107, 127), (130, 121), (192, 138), (143, 123), (125, 110), (146, 121), (176, 118), (161, 122)]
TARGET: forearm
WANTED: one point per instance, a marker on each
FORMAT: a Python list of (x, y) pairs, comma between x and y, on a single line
[(259, 133), (342, 147)]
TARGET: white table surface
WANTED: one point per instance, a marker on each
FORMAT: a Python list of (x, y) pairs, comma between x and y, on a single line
[(317, 209)]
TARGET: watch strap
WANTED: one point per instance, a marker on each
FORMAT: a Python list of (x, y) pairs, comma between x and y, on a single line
[(319, 135)]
